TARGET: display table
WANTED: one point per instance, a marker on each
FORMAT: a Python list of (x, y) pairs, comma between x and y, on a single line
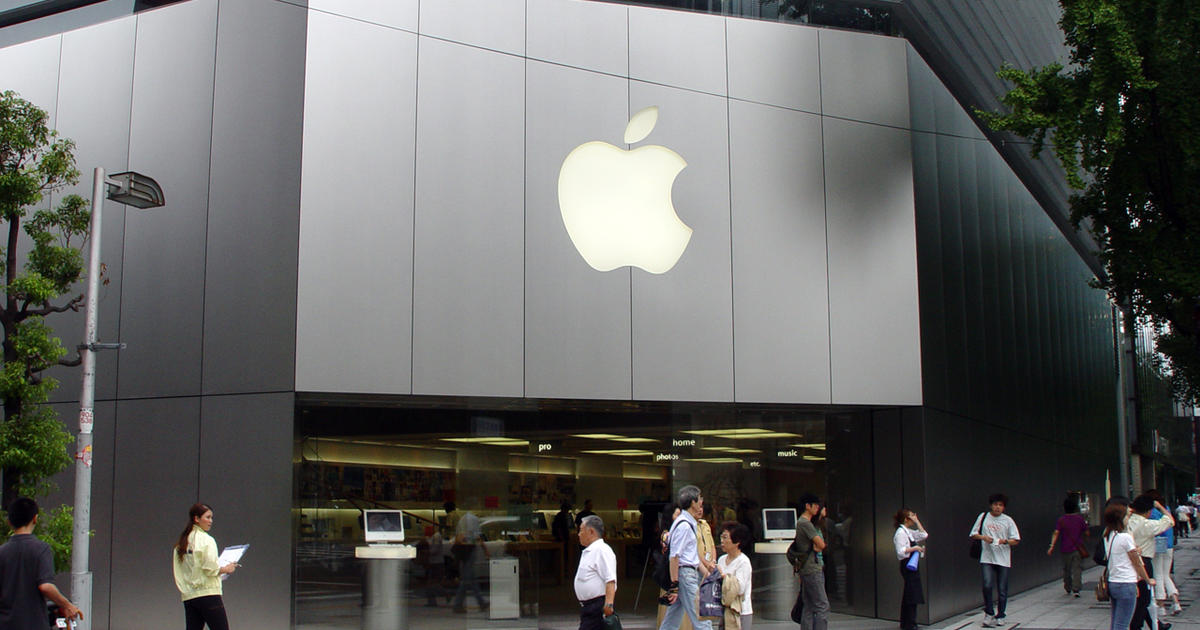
[(772, 558), (384, 606)]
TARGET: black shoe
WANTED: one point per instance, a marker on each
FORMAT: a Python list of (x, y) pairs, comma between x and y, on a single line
[(1162, 625)]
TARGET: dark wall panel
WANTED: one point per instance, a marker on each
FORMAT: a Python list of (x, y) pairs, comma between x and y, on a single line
[(163, 266), (154, 483), (254, 217), (246, 476)]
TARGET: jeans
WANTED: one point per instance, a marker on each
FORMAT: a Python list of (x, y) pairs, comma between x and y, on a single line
[(996, 576), (467, 581), (1123, 596), (688, 601), (1071, 576), (816, 602)]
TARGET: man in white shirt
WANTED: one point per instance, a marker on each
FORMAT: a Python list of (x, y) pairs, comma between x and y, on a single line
[(596, 579), (467, 548), (1143, 530), (999, 535), (686, 569)]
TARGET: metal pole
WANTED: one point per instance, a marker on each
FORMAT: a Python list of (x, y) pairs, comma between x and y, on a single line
[(81, 577)]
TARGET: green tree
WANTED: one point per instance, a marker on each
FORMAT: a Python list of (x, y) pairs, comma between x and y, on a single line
[(34, 163), (1123, 118)]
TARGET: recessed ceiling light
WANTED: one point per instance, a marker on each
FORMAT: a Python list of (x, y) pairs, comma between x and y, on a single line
[(489, 441), (625, 452)]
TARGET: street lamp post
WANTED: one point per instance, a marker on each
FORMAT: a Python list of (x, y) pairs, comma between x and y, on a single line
[(141, 192)]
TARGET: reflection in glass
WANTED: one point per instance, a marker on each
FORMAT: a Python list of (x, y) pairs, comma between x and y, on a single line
[(492, 490)]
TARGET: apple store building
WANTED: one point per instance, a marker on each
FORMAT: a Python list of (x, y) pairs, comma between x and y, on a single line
[(489, 266)]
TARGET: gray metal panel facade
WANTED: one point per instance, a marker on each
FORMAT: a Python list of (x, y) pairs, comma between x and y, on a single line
[(155, 480), (139, 92), (368, 202), (244, 466), (872, 264), (780, 279), (163, 266), (1016, 350), (577, 320), (254, 195), (498, 312), (469, 233), (693, 301), (93, 110)]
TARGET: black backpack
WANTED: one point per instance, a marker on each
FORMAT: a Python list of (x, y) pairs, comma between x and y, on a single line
[(662, 561)]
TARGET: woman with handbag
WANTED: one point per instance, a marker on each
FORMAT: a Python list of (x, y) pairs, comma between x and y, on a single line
[(909, 532), (1070, 532), (1125, 568)]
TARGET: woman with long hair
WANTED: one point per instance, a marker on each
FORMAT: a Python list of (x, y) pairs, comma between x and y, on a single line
[(909, 533), (1125, 567), (198, 573)]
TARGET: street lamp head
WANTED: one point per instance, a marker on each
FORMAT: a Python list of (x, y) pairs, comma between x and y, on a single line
[(134, 189)]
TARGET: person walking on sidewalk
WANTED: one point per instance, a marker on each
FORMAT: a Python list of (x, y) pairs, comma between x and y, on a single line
[(1143, 531), (1183, 525), (27, 573), (1125, 569), (686, 569), (1070, 532), (596, 579), (1164, 557), (999, 536)]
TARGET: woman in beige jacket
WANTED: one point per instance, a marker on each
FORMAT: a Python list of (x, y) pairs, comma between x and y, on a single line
[(198, 573)]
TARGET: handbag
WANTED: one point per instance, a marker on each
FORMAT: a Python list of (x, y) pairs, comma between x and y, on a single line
[(798, 607), (1102, 584), (612, 622), (976, 544), (913, 561), (710, 596)]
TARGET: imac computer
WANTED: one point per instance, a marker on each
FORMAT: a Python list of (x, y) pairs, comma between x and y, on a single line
[(779, 523), (383, 526)]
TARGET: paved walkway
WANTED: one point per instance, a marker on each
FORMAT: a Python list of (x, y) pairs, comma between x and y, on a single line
[(1047, 607)]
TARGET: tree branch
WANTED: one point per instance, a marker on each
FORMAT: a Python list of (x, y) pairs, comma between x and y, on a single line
[(71, 362), (73, 305)]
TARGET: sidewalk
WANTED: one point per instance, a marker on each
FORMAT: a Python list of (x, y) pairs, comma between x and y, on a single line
[(1047, 607)]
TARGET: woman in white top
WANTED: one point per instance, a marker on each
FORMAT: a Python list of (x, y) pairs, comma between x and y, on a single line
[(735, 564), (909, 532), (1125, 567)]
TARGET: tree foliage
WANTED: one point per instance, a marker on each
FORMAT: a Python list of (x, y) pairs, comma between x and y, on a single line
[(1123, 118), (34, 163)]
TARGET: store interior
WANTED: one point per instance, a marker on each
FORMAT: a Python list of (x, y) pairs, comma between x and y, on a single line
[(520, 466)]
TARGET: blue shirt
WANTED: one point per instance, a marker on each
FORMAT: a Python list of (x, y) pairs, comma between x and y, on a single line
[(1165, 540), (683, 540)]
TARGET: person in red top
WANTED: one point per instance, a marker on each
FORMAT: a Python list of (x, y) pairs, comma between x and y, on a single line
[(1070, 532)]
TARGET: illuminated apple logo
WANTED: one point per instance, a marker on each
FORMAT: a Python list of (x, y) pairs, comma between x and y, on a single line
[(616, 204)]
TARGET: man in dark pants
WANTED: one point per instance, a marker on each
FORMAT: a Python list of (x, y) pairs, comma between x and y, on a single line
[(26, 574), (596, 579)]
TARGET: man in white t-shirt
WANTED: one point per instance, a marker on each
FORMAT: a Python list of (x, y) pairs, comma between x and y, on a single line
[(998, 534), (596, 579)]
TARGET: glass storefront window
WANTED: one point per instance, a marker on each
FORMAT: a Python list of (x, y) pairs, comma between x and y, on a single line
[(515, 475)]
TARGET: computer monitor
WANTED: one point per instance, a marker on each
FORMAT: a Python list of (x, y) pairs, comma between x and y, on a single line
[(779, 523), (383, 526)]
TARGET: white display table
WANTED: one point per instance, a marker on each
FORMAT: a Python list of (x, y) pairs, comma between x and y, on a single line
[(384, 606), (772, 555)]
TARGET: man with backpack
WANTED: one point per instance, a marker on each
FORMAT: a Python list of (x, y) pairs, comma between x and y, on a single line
[(805, 556), (684, 560)]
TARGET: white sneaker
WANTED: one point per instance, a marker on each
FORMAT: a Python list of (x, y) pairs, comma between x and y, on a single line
[(1175, 610), (989, 621), (1000, 621)]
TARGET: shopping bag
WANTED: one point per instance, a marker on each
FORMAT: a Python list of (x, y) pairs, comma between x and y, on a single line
[(710, 596)]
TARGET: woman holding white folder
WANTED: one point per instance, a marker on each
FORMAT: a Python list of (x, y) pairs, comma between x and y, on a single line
[(198, 573)]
